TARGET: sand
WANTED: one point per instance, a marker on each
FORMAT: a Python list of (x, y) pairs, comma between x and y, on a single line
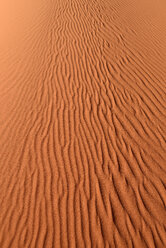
[(82, 123)]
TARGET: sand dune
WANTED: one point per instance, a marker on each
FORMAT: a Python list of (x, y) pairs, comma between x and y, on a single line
[(82, 123)]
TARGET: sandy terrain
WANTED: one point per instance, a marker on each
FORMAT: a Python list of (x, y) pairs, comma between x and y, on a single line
[(82, 123)]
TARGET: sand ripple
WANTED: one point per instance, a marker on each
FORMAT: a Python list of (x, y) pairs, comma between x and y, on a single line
[(83, 124)]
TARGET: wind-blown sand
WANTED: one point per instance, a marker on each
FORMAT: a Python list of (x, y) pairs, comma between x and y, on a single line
[(82, 123)]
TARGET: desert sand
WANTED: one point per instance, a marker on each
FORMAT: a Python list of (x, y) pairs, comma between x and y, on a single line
[(83, 123)]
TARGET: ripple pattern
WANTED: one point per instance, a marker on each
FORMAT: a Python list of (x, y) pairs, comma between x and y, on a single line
[(83, 125)]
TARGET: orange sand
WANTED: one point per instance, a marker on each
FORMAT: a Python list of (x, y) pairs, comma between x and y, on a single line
[(82, 123)]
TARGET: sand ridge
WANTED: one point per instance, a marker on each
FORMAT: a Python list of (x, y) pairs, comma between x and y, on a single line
[(83, 124)]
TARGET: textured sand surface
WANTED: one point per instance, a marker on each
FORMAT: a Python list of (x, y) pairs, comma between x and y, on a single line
[(82, 123)]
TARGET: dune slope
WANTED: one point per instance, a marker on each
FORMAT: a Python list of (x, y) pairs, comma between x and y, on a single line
[(82, 123)]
